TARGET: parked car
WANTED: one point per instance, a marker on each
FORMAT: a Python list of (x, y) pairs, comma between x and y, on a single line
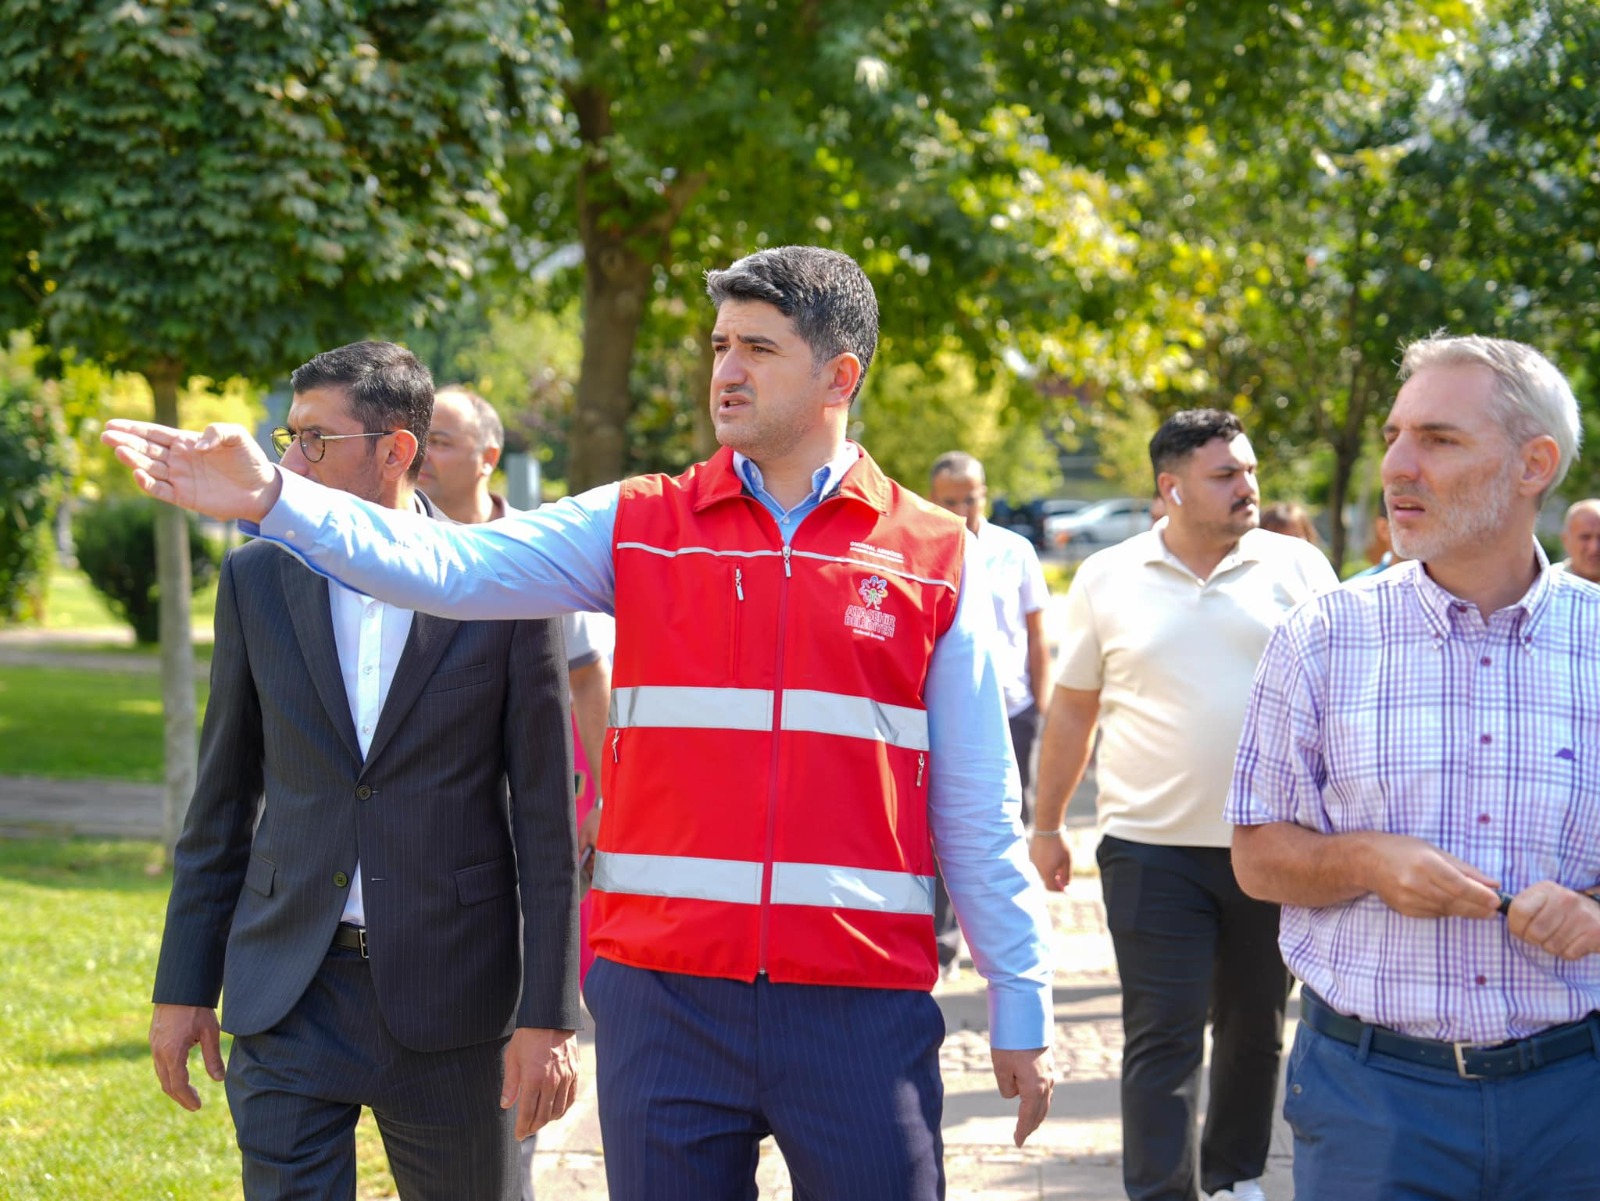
[(1028, 520), (1099, 524)]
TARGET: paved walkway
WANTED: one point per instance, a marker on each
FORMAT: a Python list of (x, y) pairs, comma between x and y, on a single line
[(1076, 1155)]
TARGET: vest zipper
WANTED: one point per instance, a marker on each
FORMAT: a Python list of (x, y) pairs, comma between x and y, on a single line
[(736, 624), (616, 737), (772, 793), (922, 760)]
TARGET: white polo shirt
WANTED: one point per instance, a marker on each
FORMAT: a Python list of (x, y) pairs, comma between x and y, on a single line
[(1173, 658), (1017, 581)]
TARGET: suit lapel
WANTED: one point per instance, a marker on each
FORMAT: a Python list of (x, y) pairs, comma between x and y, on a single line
[(312, 613), (425, 645)]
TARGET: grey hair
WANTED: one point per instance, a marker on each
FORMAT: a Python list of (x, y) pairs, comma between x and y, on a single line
[(957, 463), (1532, 398)]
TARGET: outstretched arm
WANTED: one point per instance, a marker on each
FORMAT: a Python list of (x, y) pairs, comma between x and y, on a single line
[(551, 560), (219, 471)]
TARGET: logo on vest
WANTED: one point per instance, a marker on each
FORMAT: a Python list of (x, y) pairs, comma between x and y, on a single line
[(868, 617)]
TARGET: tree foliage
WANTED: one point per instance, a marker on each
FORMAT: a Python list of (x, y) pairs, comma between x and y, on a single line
[(913, 136), (233, 187)]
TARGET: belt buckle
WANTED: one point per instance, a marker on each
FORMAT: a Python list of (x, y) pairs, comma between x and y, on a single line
[(361, 938), (1459, 1048)]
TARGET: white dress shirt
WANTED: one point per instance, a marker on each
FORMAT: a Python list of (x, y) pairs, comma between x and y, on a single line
[(370, 636)]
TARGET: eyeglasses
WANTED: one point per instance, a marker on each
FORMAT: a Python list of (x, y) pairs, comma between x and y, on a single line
[(312, 444)]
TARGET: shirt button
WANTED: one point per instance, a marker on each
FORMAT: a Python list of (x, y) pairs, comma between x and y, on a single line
[(1484, 662), (1486, 739), (367, 670), (1484, 819), (288, 533), (340, 879), (368, 730), (1483, 980)]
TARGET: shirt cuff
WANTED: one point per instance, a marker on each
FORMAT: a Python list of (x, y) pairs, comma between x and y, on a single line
[(300, 509), (1022, 1017)]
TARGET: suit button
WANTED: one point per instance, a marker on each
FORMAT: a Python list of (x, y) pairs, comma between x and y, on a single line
[(340, 879), (363, 792)]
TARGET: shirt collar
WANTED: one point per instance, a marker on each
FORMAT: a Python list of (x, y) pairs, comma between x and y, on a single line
[(824, 480), (1437, 603), (1247, 550)]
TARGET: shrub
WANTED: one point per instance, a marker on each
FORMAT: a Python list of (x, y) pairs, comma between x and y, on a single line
[(116, 544), (33, 460)]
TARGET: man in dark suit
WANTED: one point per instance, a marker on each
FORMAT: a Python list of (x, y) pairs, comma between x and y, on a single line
[(351, 876)]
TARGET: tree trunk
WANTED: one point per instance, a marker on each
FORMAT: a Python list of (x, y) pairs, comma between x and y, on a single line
[(624, 238), (177, 649), (616, 288), (1344, 465), (705, 431)]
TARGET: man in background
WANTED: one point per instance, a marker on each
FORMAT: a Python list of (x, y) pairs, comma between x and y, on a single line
[(1580, 538), (464, 448), (1021, 655), (1162, 636)]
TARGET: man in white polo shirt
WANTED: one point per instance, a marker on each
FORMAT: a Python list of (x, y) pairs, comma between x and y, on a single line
[(1021, 656), (1163, 634)]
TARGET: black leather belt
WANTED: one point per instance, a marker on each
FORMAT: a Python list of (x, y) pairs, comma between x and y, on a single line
[(351, 938), (1470, 1061)]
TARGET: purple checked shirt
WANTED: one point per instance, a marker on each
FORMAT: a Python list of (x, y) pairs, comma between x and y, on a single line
[(1391, 705)]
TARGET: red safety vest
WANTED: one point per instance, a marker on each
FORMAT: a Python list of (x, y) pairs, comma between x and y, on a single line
[(766, 775)]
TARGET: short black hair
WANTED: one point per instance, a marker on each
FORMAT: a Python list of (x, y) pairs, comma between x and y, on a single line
[(1186, 432), (826, 294), (387, 386)]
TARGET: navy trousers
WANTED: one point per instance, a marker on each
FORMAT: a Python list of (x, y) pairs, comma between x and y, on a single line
[(1371, 1128), (694, 1072), (296, 1092)]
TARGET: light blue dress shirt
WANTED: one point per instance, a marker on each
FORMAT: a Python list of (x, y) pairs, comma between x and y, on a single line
[(557, 559)]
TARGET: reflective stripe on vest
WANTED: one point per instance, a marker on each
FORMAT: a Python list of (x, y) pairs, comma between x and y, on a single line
[(671, 552), (656, 706), (738, 882)]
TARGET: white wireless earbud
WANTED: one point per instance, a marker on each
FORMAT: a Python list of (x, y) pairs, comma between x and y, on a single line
[(1176, 499)]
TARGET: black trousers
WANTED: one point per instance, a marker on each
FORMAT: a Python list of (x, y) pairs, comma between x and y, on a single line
[(1024, 745), (1191, 945), (296, 1092)]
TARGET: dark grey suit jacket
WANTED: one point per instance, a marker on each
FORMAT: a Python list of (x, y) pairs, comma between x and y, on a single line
[(470, 895)]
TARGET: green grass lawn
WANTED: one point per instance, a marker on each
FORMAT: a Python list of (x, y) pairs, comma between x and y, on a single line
[(70, 724), (80, 1109)]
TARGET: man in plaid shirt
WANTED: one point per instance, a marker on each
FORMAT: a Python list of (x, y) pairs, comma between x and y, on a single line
[(1418, 784)]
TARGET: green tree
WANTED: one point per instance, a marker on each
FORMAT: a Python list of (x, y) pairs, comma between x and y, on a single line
[(225, 189), (692, 131)]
